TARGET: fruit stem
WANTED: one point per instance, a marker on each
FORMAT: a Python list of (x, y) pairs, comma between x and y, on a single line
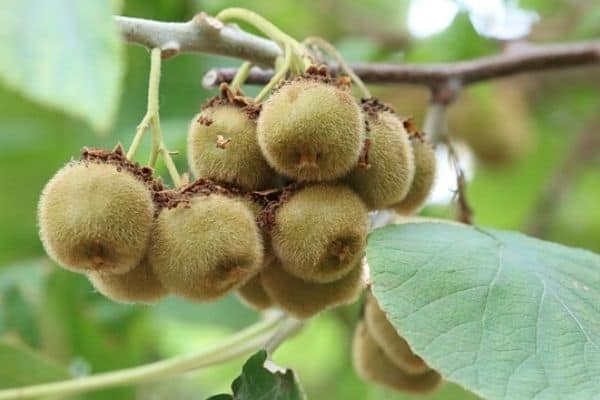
[(152, 103), (335, 54), (240, 76), (258, 22), (248, 340), (299, 60), (279, 75), (152, 119)]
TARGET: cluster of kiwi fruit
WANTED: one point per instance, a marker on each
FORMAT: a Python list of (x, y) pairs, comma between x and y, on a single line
[(278, 212), (382, 356)]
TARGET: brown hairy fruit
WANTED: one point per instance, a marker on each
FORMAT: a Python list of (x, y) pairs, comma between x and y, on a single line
[(497, 135), (320, 232), (372, 364), (253, 294), (138, 285), (95, 217), (424, 178), (392, 344), (222, 145), (386, 177), (304, 299), (311, 130), (206, 247)]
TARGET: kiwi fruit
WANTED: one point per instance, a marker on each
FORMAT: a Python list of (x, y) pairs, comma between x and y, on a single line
[(222, 146), (95, 217), (303, 299), (372, 364), (138, 285), (498, 136), (203, 248), (311, 130), (320, 232), (385, 176), (424, 177), (392, 344), (253, 294)]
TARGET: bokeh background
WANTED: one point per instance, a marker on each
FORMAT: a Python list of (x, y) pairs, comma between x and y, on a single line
[(521, 148)]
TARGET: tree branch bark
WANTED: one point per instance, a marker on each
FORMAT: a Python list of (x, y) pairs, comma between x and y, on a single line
[(528, 58), (203, 34), (208, 35)]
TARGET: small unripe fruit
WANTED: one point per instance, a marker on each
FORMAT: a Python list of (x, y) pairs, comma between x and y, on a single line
[(205, 248), (320, 232), (253, 294), (222, 145), (498, 136), (140, 285), (392, 344), (371, 364), (311, 130), (95, 217), (424, 177), (385, 177), (304, 299)]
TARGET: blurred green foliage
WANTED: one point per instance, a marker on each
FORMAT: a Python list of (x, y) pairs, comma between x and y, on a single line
[(58, 314)]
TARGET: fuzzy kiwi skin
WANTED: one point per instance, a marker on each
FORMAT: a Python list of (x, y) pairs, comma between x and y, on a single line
[(392, 344), (140, 285), (303, 299), (320, 232), (203, 250), (391, 168), (423, 180), (253, 294), (239, 161), (93, 217), (311, 131), (372, 364)]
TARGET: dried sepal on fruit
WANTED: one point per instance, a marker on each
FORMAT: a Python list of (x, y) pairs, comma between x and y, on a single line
[(96, 214), (372, 364), (392, 344), (206, 244), (384, 174), (320, 231), (140, 285), (304, 299), (311, 128), (222, 143), (424, 177)]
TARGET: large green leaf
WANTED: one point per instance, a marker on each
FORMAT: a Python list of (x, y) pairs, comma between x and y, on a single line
[(63, 53), (258, 383), (21, 366), (502, 314)]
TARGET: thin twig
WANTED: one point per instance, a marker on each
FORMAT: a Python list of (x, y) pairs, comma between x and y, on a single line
[(529, 58), (436, 131)]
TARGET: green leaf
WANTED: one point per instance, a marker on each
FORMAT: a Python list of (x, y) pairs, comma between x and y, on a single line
[(501, 314), (65, 54), (22, 366), (258, 383)]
